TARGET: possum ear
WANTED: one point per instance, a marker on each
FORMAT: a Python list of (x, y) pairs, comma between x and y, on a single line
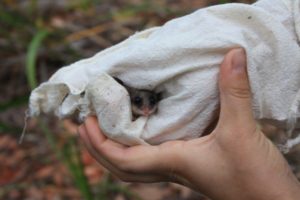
[(118, 80)]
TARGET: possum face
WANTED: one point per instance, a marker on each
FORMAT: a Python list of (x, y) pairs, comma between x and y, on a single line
[(143, 102)]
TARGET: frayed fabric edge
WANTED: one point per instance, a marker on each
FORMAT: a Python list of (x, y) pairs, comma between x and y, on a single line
[(294, 115)]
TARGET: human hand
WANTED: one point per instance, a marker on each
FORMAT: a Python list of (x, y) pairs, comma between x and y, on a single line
[(235, 161)]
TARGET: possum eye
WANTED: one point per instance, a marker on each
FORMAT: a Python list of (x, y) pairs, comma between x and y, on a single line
[(152, 100), (138, 101)]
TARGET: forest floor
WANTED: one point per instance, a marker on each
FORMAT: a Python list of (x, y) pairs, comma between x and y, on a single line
[(36, 39)]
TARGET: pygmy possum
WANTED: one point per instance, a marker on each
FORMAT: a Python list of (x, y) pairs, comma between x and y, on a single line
[(143, 102)]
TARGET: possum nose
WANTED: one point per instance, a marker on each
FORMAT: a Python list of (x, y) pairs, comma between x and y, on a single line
[(146, 111)]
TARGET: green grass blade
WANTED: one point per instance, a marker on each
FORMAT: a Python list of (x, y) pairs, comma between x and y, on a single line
[(69, 155), (31, 57), (72, 159)]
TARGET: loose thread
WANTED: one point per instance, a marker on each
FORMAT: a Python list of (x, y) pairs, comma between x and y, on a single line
[(26, 118), (291, 123)]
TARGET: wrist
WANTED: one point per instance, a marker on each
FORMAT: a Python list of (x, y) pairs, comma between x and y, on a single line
[(287, 188), (292, 189)]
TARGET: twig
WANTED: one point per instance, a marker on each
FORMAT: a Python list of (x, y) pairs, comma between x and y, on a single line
[(88, 32)]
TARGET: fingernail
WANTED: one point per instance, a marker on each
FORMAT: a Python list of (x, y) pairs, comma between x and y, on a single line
[(239, 61)]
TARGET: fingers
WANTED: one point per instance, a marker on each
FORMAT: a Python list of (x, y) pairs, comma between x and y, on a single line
[(235, 92), (138, 163), (84, 136), (138, 158), (116, 153)]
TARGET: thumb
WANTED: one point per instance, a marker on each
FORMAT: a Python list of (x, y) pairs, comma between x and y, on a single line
[(235, 92)]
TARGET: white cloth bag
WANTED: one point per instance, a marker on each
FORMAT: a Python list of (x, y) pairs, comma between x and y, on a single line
[(181, 59)]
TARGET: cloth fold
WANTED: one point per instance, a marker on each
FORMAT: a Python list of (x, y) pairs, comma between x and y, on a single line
[(181, 60)]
